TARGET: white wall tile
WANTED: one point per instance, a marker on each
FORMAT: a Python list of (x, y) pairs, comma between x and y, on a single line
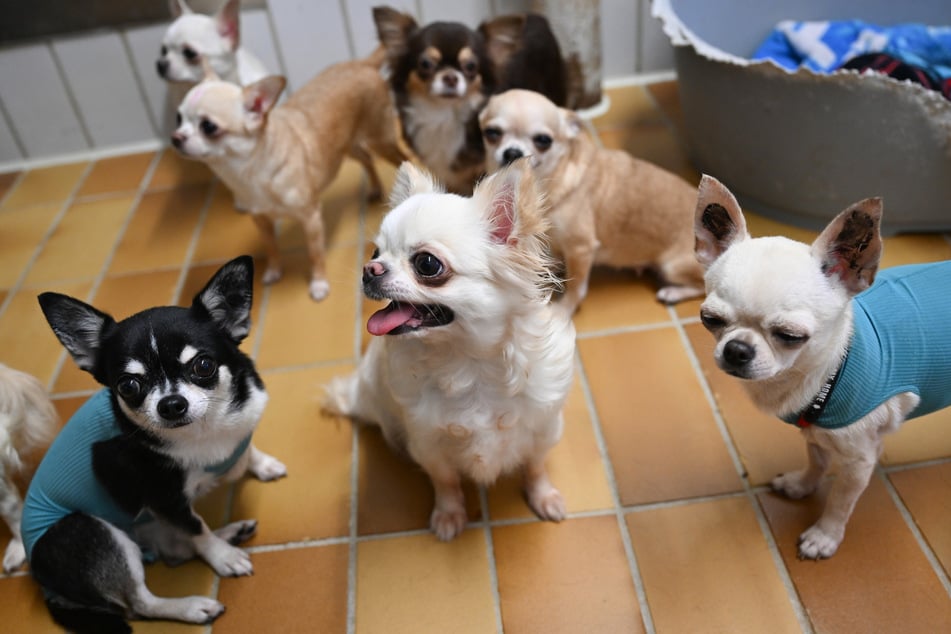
[(657, 54), (469, 12), (619, 30), (9, 150), (144, 44), (98, 72), (311, 36), (37, 103), (362, 27), (257, 38)]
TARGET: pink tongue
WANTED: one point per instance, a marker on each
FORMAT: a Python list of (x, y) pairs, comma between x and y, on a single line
[(393, 316)]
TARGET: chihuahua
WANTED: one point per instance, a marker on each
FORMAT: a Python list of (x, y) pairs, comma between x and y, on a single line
[(470, 365), (175, 418), (278, 161), (193, 39), (442, 74), (27, 423), (607, 207), (821, 343)]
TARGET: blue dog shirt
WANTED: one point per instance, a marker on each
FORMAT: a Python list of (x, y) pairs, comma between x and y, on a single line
[(65, 483), (901, 343)]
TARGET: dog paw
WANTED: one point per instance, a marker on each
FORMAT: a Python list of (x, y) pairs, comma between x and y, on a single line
[(816, 543), (238, 532), (448, 524), (319, 289), (271, 275), (14, 557), (677, 294), (201, 610), (793, 485), (229, 561), (266, 468), (548, 505)]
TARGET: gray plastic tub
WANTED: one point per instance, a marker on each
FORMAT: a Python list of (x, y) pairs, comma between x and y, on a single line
[(799, 146)]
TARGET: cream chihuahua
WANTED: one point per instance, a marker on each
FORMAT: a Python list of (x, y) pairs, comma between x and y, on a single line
[(278, 161), (817, 344), (471, 365), (607, 207)]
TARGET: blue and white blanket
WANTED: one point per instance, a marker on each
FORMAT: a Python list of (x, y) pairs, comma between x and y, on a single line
[(825, 46)]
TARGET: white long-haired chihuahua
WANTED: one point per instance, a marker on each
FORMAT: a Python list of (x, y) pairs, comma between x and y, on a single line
[(470, 367), (27, 422)]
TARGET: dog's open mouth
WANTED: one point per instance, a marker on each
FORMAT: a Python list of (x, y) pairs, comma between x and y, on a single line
[(398, 318)]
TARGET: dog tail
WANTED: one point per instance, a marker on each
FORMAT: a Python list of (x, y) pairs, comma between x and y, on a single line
[(84, 620), (27, 416), (377, 58)]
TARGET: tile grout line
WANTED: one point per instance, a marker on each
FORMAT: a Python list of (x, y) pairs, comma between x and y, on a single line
[(633, 568), (54, 225), (923, 544), (624, 330), (193, 244), (17, 180), (490, 556), (791, 593), (353, 535), (97, 281)]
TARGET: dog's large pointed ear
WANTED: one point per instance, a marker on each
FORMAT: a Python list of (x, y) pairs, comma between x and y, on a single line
[(850, 247), (411, 180), (394, 29), (228, 22), (226, 299), (718, 221), (260, 98), (511, 203), (78, 326), (571, 123), (178, 8), (503, 37)]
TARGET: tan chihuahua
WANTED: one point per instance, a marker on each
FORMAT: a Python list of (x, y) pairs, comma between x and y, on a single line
[(607, 207), (278, 161)]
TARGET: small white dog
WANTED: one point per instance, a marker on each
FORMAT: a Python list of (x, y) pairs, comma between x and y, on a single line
[(193, 37), (27, 422), (471, 364), (818, 345)]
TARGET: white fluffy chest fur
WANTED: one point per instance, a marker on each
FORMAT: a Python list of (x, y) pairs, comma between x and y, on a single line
[(438, 130), (481, 416)]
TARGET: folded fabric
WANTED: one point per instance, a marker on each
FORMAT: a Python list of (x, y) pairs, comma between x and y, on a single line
[(827, 46)]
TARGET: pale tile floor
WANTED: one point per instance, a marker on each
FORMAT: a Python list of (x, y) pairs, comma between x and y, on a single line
[(663, 463)]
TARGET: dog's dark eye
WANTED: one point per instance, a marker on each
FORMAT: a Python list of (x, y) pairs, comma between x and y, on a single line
[(129, 387), (204, 367), (191, 55), (470, 68), (178, 119), (427, 264), (163, 51), (711, 322), (791, 338), (376, 253), (208, 128), (492, 135), (425, 65), (542, 141)]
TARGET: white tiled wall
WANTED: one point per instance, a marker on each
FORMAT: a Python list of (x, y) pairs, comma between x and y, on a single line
[(99, 92)]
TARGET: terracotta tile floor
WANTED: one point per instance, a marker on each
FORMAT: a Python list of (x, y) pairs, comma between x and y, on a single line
[(663, 463)]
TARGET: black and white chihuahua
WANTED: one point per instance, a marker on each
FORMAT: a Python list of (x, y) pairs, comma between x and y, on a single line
[(175, 418)]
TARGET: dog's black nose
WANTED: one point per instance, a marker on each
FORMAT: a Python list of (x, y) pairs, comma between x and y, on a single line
[(510, 155), (173, 407), (162, 67), (178, 140), (738, 353)]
